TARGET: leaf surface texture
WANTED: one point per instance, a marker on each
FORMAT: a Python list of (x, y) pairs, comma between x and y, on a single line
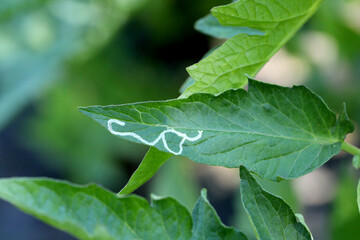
[(91, 212), (271, 217), (244, 54), (274, 131)]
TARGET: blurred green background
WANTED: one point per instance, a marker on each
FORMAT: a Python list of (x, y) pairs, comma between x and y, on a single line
[(57, 55)]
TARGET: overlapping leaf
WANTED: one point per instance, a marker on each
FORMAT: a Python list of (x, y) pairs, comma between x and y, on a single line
[(211, 26), (207, 224), (244, 54), (272, 218), (152, 161), (90, 212), (274, 131)]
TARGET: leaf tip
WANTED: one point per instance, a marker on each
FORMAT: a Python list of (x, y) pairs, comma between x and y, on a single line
[(83, 110), (244, 173), (155, 197), (344, 125), (204, 193), (191, 68)]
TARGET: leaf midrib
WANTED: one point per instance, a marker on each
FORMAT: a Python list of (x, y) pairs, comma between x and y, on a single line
[(317, 140), (288, 36)]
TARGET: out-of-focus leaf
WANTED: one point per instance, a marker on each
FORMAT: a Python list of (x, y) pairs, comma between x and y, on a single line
[(211, 26), (333, 18), (38, 37), (176, 178), (272, 218), (188, 82), (207, 224), (243, 54), (68, 135), (151, 163), (241, 219), (345, 217), (299, 135), (91, 212), (356, 162), (358, 195)]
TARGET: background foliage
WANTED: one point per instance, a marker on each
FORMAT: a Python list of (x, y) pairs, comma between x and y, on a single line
[(51, 62)]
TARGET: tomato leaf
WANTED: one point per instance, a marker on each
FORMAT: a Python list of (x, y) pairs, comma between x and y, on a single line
[(274, 131), (243, 54), (271, 217), (91, 212)]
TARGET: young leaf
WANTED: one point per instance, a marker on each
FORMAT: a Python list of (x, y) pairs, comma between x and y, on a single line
[(207, 224), (152, 161), (190, 81), (272, 218), (91, 212), (244, 54), (274, 131), (211, 26)]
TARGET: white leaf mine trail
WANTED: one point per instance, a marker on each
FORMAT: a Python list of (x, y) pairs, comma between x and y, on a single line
[(160, 137)]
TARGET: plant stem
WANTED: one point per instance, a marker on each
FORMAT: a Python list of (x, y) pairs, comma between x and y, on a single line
[(350, 149)]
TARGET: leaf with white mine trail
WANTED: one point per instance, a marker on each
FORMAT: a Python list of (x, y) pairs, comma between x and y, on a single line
[(243, 54), (232, 76), (93, 213), (271, 217), (275, 131)]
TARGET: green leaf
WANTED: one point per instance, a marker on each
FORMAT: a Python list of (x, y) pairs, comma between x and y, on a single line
[(91, 212), (274, 131), (207, 224), (272, 218), (344, 124), (151, 163), (358, 195), (211, 26), (242, 55), (344, 219), (188, 82), (301, 219)]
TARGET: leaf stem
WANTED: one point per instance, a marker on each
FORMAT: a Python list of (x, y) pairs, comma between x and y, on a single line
[(350, 149)]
